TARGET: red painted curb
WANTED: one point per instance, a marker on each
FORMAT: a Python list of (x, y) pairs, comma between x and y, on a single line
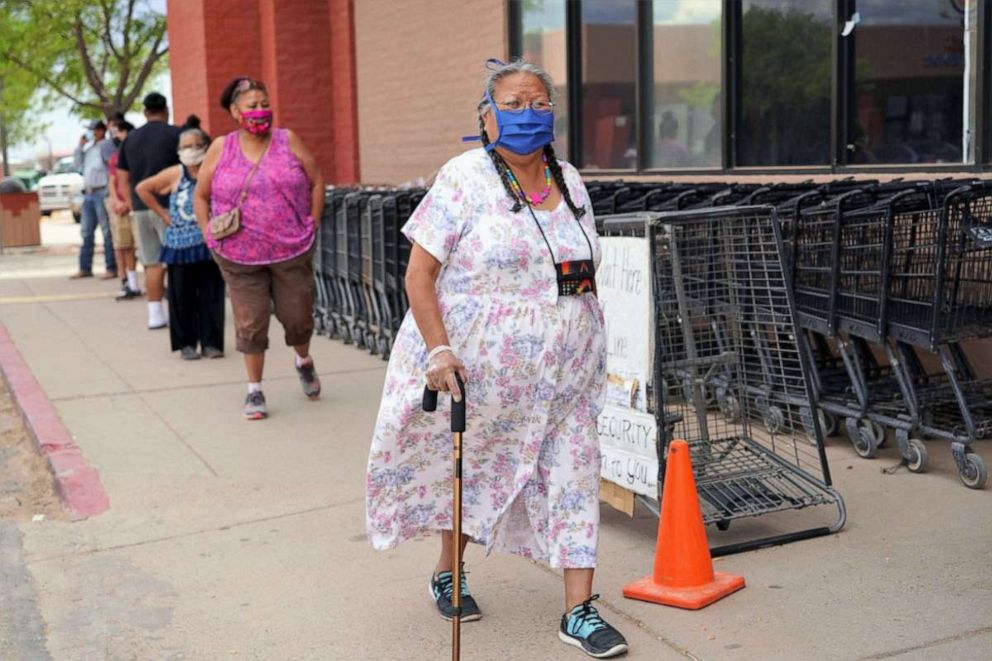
[(78, 484)]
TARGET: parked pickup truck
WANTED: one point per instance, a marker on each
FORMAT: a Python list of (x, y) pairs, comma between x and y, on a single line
[(62, 189)]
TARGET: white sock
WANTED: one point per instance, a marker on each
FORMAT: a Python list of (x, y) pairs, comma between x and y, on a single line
[(132, 280), (300, 362), (254, 387), (156, 313)]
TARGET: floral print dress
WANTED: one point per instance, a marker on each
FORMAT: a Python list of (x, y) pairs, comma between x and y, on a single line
[(536, 367)]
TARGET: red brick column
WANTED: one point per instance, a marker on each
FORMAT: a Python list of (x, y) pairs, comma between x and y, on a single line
[(210, 42), (302, 49)]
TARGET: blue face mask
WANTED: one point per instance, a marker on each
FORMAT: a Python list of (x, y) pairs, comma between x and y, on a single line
[(521, 132)]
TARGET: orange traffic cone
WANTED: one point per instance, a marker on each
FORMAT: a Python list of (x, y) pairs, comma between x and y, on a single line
[(683, 570)]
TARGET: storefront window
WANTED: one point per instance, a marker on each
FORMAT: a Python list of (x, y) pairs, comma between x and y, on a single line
[(543, 43), (609, 54), (685, 122), (909, 82), (786, 68)]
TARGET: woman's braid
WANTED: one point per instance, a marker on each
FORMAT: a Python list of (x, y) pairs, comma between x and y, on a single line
[(559, 176), (501, 168)]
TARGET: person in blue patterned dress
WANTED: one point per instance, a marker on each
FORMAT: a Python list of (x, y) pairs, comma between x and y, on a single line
[(196, 287)]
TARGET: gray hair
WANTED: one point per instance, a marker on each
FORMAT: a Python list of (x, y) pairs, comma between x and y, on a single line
[(500, 70), (198, 132)]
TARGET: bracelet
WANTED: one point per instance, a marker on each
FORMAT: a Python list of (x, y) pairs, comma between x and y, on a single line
[(441, 348)]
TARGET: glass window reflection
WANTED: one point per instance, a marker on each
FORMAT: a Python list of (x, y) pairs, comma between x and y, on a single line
[(786, 68), (685, 121), (909, 82), (609, 52)]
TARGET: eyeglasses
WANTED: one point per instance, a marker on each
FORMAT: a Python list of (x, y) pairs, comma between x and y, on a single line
[(540, 107)]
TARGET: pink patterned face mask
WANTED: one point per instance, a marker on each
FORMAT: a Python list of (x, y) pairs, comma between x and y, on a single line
[(257, 122)]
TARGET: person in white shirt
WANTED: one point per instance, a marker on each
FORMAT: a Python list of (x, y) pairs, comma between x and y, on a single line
[(91, 158)]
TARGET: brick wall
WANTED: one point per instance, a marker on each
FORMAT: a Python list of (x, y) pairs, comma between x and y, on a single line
[(302, 49), (420, 71), (209, 44)]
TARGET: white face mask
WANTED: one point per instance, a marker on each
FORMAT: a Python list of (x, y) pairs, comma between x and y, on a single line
[(190, 156)]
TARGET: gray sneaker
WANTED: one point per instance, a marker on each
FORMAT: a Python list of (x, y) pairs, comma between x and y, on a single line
[(189, 353), (255, 406), (309, 379), (212, 352)]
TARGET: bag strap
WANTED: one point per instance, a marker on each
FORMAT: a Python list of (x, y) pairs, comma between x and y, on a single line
[(254, 169)]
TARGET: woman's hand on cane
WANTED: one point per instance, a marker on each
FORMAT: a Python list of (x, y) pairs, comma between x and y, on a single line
[(441, 374)]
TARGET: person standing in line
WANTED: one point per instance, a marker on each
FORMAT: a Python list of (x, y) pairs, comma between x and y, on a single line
[(120, 218), (147, 151), (196, 287), (91, 158), (503, 294), (270, 175)]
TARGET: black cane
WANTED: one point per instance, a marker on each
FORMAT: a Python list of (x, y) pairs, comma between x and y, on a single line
[(457, 427)]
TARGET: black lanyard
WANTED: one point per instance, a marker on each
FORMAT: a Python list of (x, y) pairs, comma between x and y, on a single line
[(574, 277)]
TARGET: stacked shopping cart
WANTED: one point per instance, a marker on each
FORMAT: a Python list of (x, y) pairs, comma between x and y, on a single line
[(887, 284), (892, 281), (359, 266)]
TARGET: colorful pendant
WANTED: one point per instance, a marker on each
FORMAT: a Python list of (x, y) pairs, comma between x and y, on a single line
[(533, 199)]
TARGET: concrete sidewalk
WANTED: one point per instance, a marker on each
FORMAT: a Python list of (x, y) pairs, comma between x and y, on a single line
[(230, 540)]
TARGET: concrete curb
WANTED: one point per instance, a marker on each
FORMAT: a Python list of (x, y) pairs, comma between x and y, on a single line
[(78, 484)]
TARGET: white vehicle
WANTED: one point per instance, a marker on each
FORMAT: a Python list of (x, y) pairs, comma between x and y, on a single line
[(63, 189)]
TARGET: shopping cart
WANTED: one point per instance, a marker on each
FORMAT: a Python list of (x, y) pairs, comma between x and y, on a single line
[(719, 287)]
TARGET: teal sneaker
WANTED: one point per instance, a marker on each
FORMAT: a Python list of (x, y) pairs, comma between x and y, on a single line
[(441, 592), (583, 627)]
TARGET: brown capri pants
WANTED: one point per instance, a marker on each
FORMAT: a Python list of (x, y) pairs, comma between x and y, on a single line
[(253, 290)]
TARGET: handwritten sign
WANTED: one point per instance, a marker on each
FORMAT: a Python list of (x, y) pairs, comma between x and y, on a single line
[(624, 283), (628, 444), (626, 432)]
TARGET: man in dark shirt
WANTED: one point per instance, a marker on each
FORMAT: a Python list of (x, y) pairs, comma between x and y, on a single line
[(147, 151)]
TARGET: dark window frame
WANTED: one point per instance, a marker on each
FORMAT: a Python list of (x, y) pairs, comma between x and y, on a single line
[(841, 90)]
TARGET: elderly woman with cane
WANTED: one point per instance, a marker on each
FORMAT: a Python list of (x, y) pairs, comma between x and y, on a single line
[(502, 294)]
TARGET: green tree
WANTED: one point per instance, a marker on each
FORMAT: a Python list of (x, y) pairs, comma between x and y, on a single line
[(98, 54), (16, 89)]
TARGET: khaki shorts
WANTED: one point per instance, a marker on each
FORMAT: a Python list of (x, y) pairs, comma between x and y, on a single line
[(151, 232), (120, 226), (256, 289)]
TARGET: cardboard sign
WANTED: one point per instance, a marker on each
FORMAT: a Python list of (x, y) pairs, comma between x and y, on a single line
[(624, 285), (628, 445), (626, 432)]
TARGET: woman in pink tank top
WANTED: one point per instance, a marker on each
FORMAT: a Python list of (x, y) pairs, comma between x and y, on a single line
[(268, 262)]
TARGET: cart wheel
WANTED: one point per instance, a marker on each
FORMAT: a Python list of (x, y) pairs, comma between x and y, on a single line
[(761, 403), (917, 460), (975, 475), (828, 422), (383, 347), (861, 437), (346, 335), (730, 407), (723, 524), (774, 420), (371, 345), (879, 432)]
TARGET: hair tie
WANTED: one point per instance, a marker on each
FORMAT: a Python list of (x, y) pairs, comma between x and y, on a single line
[(491, 61)]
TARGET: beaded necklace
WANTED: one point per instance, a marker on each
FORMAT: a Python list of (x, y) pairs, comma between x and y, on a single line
[(534, 198)]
